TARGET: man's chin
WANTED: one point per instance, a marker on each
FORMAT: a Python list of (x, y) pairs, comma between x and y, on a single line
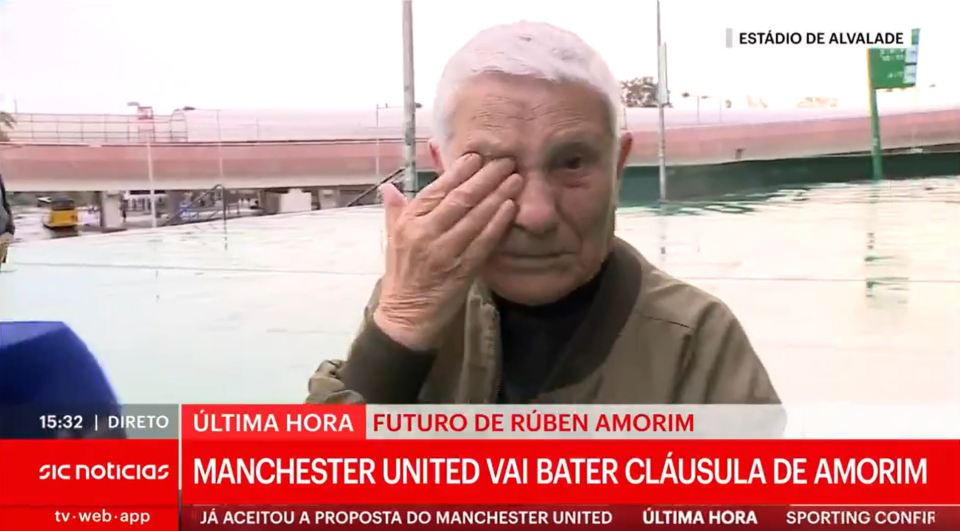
[(530, 289)]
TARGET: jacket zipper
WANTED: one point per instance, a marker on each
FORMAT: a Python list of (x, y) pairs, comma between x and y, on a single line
[(492, 332)]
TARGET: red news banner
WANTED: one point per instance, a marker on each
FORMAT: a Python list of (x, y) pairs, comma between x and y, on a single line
[(476, 467), (366, 467), (107, 484)]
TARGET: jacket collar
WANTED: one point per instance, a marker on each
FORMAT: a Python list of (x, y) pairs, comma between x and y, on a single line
[(575, 372)]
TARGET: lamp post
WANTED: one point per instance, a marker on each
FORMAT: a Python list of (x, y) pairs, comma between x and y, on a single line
[(409, 103), (145, 112), (661, 97), (700, 97), (377, 163), (377, 110), (219, 149)]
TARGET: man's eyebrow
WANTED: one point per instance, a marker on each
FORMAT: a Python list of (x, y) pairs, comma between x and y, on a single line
[(571, 143), (580, 135)]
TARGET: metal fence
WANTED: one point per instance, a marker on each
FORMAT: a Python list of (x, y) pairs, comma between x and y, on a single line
[(96, 128)]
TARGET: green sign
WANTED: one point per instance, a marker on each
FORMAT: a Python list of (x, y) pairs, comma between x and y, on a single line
[(895, 67), (888, 68)]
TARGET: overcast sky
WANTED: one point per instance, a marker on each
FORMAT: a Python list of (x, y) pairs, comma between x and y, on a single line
[(96, 55)]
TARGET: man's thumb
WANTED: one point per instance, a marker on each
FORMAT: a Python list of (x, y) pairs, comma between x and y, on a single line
[(393, 204)]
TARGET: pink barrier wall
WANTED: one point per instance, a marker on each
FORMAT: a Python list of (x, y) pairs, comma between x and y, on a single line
[(51, 167)]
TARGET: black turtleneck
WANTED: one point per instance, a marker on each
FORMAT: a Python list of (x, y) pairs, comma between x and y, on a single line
[(535, 338)]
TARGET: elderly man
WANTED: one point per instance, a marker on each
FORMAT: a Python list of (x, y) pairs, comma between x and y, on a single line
[(504, 282)]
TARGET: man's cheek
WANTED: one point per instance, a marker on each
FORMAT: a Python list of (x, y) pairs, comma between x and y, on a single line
[(587, 207)]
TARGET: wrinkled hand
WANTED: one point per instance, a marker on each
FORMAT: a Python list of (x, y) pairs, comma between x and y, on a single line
[(437, 243)]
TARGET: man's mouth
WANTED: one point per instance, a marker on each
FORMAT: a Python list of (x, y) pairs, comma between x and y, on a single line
[(532, 256), (532, 260)]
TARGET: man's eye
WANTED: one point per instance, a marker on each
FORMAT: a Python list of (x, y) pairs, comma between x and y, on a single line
[(574, 162)]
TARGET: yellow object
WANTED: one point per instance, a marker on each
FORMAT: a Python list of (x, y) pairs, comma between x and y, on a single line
[(61, 215)]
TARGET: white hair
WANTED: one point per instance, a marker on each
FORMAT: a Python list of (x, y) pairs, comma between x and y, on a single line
[(532, 49)]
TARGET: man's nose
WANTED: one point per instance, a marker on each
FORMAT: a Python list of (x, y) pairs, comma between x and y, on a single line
[(537, 206)]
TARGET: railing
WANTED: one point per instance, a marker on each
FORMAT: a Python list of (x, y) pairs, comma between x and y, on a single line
[(368, 191), (97, 129), (178, 218)]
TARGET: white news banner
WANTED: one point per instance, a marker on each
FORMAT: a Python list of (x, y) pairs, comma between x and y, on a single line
[(826, 421)]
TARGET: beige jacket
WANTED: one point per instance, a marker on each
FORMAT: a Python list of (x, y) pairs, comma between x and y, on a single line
[(671, 344)]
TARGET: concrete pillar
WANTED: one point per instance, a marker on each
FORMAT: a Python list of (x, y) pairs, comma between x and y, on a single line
[(297, 200), (270, 202), (111, 217), (173, 200), (329, 197), (294, 200)]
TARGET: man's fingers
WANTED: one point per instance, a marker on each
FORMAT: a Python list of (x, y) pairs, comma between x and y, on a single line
[(462, 169), (393, 204), (456, 240), (459, 201), (481, 247)]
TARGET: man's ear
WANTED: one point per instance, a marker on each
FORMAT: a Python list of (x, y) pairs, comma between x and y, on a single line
[(626, 143), (436, 156)]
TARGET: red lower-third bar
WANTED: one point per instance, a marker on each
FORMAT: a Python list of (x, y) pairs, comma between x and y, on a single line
[(248, 518)]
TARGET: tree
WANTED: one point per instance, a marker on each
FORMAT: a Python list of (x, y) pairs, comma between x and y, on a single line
[(6, 120), (639, 92)]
